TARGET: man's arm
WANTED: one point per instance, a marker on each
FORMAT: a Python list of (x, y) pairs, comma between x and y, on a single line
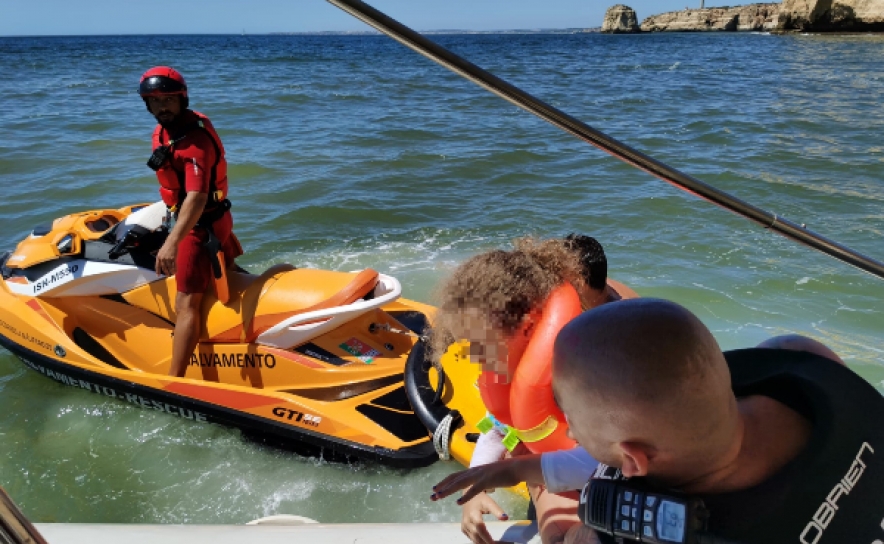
[(560, 471), (194, 155), (567, 470), (191, 210)]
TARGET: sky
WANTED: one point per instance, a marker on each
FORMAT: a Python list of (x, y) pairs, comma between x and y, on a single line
[(85, 17)]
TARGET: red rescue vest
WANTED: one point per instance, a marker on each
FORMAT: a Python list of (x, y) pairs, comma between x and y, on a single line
[(172, 187)]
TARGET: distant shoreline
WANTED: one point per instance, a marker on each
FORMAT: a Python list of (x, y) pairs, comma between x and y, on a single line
[(452, 32), (447, 32)]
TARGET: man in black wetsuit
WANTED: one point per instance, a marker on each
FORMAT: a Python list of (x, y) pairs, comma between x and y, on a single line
[(782, 446)]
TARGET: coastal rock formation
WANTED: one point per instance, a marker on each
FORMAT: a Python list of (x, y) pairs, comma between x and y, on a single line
[(620, 19), (823, 15), (753, 17)]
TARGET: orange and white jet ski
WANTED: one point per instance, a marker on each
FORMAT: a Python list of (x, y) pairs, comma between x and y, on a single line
[(301, 358)]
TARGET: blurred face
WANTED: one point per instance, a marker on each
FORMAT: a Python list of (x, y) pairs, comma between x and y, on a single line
[(492, 348), (488, 345), (165, 108)]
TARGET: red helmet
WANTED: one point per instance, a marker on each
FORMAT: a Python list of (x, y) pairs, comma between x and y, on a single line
[(161, 81)]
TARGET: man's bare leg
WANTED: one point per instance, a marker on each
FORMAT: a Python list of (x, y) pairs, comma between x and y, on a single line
[(187, 331)]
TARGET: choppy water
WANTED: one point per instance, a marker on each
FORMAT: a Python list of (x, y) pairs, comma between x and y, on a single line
[(349, 152)]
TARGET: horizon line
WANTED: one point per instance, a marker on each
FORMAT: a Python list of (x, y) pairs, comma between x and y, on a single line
[(319, 33)]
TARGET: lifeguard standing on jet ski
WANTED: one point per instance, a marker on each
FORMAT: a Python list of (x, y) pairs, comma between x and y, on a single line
[(188, 158)]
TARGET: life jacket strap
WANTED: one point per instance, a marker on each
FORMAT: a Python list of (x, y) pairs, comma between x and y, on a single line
[(512, 436), (486, 425), (538, 433)]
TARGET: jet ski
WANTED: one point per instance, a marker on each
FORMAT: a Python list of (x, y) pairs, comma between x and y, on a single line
[(300, 358)]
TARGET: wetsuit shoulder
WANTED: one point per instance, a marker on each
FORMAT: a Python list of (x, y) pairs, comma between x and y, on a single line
[(830, 493)]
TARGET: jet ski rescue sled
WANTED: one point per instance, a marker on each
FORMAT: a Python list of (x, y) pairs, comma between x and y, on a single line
[(300, 358)]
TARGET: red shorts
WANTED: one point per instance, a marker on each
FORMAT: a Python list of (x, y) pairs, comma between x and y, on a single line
[(193, 269)]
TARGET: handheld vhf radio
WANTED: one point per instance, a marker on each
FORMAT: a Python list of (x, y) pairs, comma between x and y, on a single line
[(628, 510), (159, 157)]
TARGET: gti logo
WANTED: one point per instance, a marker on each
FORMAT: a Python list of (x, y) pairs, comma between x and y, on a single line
[(298, 417)]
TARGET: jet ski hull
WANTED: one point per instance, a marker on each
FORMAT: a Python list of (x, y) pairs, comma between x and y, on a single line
[(272, 432), (310, 360)]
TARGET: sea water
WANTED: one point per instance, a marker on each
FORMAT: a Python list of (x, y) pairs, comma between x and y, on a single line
[(349, 152)]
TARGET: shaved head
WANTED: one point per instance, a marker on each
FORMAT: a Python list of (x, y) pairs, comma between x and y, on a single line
[(645, 373)]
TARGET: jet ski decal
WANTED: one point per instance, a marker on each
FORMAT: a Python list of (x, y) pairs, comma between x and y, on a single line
[(25, 336), (361, 351), (131, 398), (240, 360)]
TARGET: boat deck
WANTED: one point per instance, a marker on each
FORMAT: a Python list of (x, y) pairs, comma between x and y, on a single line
[(426, 533)]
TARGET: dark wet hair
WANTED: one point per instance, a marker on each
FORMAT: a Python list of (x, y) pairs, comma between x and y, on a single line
[(592, 259)]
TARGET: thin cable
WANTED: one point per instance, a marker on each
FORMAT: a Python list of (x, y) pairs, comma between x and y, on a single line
[(571, 125)]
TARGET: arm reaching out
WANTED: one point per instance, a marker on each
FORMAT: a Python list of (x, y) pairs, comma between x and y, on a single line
[(506, 473)]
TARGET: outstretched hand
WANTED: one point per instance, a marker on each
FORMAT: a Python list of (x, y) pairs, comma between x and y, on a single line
[(506, 473)]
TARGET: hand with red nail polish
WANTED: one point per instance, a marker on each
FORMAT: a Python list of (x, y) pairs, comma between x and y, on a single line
[(475, 481), (472, 522)]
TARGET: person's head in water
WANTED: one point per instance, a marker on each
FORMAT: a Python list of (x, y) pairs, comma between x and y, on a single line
[(164, 92), (646, 389), (592, 259), (594, 264), (490, 296)]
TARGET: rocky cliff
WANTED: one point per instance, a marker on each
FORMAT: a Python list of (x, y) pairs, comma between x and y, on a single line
[(749, 17), (801, 15), (620, 19), (831, 15)]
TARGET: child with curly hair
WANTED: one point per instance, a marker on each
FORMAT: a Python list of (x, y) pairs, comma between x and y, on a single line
[(493, 301)]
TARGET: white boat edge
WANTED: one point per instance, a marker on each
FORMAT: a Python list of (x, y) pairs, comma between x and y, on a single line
[(272, 533)]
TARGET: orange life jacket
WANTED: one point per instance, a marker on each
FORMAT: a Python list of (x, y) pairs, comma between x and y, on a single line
[(526, 404)]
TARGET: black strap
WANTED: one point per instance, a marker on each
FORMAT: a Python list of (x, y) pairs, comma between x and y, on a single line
[(213, 244), (184, 132), (209, 217)]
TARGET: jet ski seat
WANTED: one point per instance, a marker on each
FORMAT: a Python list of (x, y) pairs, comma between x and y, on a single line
[(257, 303)]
